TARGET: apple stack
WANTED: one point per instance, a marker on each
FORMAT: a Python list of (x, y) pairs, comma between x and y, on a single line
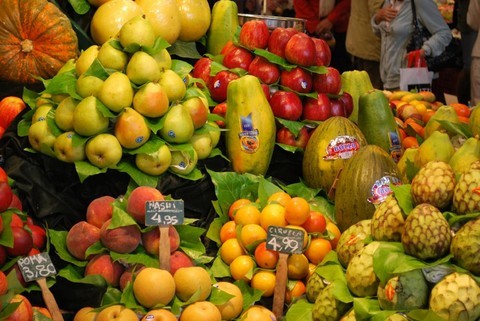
[(293, 67), (126, 105)]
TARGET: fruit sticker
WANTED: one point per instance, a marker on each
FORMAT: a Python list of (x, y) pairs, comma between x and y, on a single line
[(249, 135), (395, 146), (341, 147), (381, 189)]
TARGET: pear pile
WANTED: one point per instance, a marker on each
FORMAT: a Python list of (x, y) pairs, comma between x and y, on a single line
[(125, 101)]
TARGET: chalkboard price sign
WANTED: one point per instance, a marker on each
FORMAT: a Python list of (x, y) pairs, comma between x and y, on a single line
[(36, 266), (284, 239), (167, 212)]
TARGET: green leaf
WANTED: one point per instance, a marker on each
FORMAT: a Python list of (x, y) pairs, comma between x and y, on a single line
[(404, 197), (182, 68), (121, 218), (80, 6), (64, 83), (265, 189), (95, 248), (58, 240), (155, 124), (96, 69), (8, 309), (457, 128), (220, 269), (141, 178), (250, 295), (323, 205), (75, 275), (158, 46), (111, 296), (219, 297), (213, 232), (293, 126), (30, 97), (300, 310), (85, 169), (190, 240), (184, 49), (139, 256), (369, 309), (6, 237), (301, 190)]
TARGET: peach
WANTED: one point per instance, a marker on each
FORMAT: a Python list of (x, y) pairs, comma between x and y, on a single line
[(22, 242), (24, 311), (100, 210), (137, 200), (122, 239), (16, 202), (80, 237), (3, 283), (102, 264), (128, 274), (151, 240), (178, 259), (39, 236)]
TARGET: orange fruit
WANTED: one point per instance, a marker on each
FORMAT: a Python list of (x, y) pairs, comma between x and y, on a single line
[(3, 283), (264, 257), (294, 292), (297, 266), (280, 197), (315, 223), (427, 115), (236, 205), (409, 142), (317, 249), (297, 210), (464, 119), (419, 129), (264, 280), (247, 214), (272, 214), (228, 231), (230, 250), (461, 109), (252, 234), (242, 267), (257, 313), (333, 228)]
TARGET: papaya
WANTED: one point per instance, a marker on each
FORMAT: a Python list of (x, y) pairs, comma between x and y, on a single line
[(356, 83), (444, 113), (363, 183), (377, 123), (330, 145), (250, 124), (223, 26), (474, 121)]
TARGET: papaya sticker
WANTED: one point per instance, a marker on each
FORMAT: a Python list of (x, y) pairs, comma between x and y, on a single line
[(341, 147), (395, 146), (381, 189), (248, 137)]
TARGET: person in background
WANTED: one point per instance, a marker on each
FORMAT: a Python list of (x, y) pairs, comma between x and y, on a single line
[(324, 17), (473, 21), (393, 22), (362, 44), (468, 36)]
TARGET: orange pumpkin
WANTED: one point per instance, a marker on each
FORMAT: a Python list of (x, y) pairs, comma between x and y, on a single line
[(36, 39)]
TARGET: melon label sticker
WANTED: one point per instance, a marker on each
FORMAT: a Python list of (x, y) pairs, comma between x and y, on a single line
[(36, 266), (248, 137), (341, 147), (284, 239), (166, 212), (381, 189)]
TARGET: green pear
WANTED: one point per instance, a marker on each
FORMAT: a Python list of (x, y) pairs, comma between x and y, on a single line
[(103, 150), (87, 118), (183, 163), (142, 68), (41, 112), (214, 131), (131, 129), (137, 31), (64, 114), (437, 147), (465, 155), (178, 125), (86, 58), (155, 163), (151, 100), (111, 57), (164, 60), (88, 85), (40, 136), (202, 143), (66, 150), (444, 113), (69, 65), (116, 92), (198, 109), (173, 84)]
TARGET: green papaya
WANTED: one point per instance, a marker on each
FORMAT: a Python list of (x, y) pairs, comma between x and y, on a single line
[(474, 121), (377, 123), (250, 124), (223, 26), (356, 83), (445, 113)]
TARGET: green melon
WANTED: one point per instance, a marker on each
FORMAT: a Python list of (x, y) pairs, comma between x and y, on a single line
[(329, 147), (363, 182)]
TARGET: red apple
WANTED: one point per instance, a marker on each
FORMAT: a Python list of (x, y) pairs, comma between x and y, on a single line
[(285, 136), (10, 107), (201, 70), (6, 195), (328, 83), (347, 102), (22, 242), (220, 109), (267, 72), (297, 79), (300, 50), (337, 107), (266, 91), (278, 40), (39, 236), (237, 57), (227, 47), (323, 54), (3, 175), (254, 34), (286, 105), (317, 109), (218, 85), (16, 221)]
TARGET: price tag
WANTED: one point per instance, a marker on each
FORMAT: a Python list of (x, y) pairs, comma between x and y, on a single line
[(169, 212), (36, 266), (284, 239)]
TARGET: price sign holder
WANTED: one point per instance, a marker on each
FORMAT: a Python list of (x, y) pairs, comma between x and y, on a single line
[(164, 214), (37, 268), (285, 241)]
